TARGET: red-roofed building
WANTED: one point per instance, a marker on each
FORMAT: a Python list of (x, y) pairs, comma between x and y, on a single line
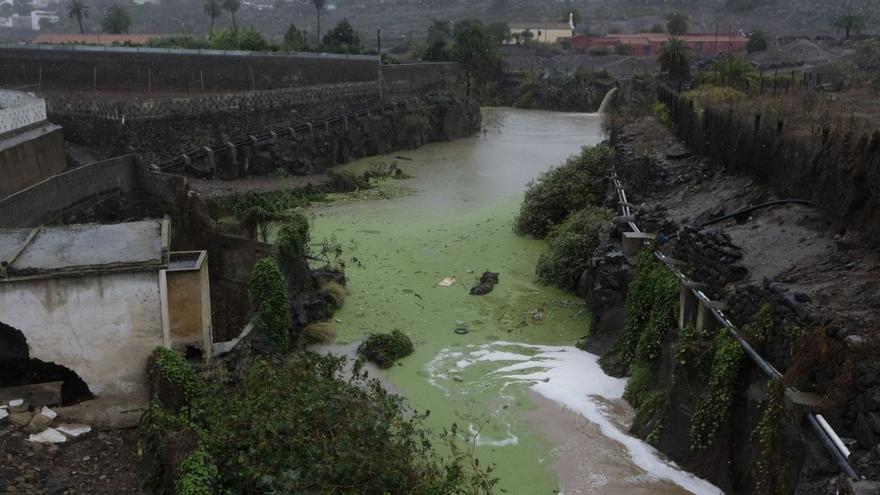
[(650, 43), (95, 39)]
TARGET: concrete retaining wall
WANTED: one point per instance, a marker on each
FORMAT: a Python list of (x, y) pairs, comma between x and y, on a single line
[(30, 156)]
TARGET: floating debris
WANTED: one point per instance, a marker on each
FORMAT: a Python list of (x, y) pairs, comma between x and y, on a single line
[(461, 330), (446, 282)]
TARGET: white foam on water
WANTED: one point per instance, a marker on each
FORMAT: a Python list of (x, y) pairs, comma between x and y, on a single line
[(572, 378)]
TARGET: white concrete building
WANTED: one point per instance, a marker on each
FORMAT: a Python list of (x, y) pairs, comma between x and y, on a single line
[(95, 299), (40, 15)]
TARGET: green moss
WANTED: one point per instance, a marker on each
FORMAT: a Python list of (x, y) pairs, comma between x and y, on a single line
[(580, 182), (386, 349), (713, 411), (571, 245), (268, 296)]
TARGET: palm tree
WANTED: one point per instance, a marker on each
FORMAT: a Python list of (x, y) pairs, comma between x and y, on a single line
[(319, 4), (77, 10), (848, 23), (232, 7), (213, 10), (675, 58)]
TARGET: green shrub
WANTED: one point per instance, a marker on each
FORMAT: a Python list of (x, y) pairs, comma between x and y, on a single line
[(197, 474), (386, 349), (174, 383), (580, 182), (307, 424), (712, 96), (297, 427), (661, 111), (243, 38), (268, 296), (571, 245), (770, 473), (293, 236)]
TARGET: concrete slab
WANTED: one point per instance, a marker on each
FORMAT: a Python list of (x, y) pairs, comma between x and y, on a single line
[(86, 246)]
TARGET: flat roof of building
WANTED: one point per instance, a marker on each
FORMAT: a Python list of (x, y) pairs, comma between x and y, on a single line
[(46, 252)]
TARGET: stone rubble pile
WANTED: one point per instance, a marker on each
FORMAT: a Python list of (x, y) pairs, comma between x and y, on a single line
[(39, 423)]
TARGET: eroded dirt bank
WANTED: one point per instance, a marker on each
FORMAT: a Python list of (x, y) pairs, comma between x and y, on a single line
[(805, 284)]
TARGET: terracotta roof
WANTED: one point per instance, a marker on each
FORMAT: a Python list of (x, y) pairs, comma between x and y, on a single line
[(95, 39)]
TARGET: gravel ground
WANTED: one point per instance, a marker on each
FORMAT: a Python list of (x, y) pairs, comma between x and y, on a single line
[(104, 462)]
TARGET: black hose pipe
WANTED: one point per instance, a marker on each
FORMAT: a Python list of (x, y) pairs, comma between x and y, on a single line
[(756, 207)]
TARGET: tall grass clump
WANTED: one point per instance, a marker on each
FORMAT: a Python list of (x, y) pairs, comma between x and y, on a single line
[(580, 182)]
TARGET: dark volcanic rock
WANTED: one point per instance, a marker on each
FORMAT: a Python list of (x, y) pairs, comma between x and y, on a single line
[(486, 284)]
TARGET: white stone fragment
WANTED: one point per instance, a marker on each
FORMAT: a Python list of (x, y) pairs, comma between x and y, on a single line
[(49, 435), (3, 414), (74, 430), (17, 406), (45, 411)]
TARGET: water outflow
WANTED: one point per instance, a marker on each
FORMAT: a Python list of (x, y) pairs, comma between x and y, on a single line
[(606, 100)]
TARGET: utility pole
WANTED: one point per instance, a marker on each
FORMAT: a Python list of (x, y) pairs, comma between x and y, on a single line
[(716, 37)]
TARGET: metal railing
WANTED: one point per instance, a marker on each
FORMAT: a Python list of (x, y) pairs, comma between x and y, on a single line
[(826, 434)]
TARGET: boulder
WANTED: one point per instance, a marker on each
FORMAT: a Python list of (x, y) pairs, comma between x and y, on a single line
[(41, 420), (20, 419), (17, 406)]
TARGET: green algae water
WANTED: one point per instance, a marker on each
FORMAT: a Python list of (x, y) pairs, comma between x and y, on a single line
[(411, 260)]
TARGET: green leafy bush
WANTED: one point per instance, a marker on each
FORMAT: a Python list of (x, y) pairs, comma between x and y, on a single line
[(268, 296), (308, 424), (197, 474), (385, 349), (580, 182), (243, 38), (293, 236), (713, 96), (571, 245)]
